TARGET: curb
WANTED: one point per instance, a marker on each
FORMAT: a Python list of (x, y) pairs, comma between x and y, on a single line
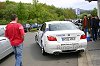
[(82, 60), (89, 59)]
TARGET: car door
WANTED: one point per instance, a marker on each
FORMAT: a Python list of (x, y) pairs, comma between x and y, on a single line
[(1, 46), (1, 34), (4, 42), (5, 47), (40, 33)]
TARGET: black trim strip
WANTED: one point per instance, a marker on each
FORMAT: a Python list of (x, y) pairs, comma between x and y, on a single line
[(2, 39)]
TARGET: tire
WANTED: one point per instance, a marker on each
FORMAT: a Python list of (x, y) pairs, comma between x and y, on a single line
[(43, 52), (81, 52)]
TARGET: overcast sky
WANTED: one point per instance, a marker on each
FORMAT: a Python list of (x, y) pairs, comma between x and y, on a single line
[(82, 4)]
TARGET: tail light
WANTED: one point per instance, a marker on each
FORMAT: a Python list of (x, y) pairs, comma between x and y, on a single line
[(51, 38), (83, 37)]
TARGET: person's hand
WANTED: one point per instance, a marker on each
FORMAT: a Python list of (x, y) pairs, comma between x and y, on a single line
[(89, 29)]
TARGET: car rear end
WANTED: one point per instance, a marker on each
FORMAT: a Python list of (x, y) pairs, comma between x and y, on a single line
[(65, 41)]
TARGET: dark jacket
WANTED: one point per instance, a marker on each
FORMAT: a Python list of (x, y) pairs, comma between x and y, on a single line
[(97, 21), (94, 23)]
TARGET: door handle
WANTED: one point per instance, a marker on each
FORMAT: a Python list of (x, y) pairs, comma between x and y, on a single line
[(2, 39)]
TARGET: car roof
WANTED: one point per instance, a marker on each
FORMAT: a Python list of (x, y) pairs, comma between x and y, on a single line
[(53, 22)]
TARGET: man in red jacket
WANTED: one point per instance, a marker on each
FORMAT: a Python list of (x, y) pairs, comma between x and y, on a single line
[(85, 23), (15, 33)]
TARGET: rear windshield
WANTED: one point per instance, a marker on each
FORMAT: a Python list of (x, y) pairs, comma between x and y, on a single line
[(62, 26)]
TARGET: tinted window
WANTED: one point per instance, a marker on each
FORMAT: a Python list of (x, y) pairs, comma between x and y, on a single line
[(62, 26), (43, 27), (2, 31)]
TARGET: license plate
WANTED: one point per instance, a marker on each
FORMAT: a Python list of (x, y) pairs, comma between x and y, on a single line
[(68, 38), (75, 46), (68, 46)]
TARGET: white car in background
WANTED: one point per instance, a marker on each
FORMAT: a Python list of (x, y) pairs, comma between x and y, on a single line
[(5, 46), (60, 37)]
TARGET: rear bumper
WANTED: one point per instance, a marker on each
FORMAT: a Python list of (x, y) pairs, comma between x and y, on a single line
[(53, 47)]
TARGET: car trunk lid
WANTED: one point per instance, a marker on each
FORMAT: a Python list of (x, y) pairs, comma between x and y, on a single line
[(66, 36)]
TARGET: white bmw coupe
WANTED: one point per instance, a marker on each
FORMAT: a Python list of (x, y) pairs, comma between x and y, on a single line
[(60, 37)]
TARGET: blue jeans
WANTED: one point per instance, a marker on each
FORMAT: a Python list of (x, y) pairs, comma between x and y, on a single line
[(18, 54), (85, 30)]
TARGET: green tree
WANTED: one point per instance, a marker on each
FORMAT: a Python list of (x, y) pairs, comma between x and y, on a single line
[(82, 15), (94, 12), (35, 12), (21, 12), (2, 7), (10, 9)]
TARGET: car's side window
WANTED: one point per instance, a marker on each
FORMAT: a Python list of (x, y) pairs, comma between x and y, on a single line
[(2, 31), (43, 27)]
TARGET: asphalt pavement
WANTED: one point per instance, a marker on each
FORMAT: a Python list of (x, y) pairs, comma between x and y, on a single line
[(32, 56)]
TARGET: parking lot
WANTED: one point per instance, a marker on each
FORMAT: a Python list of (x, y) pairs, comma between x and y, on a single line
[(32, 56)]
